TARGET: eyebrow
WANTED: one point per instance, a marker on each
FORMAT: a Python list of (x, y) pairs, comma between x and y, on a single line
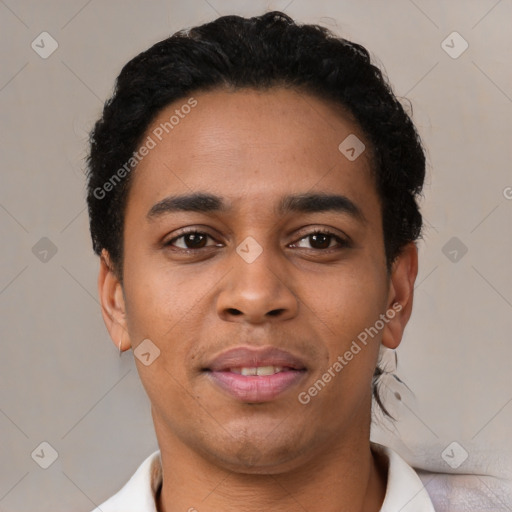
[(198, 202), (295, 203), (321, 202)]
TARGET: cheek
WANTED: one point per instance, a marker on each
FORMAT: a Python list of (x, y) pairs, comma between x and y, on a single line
[(170, 307), (348, 304), (345, 307), (347, 301), (160, 309), (158, 299)]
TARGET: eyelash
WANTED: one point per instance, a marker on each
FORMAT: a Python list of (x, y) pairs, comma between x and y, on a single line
[(342, 242)]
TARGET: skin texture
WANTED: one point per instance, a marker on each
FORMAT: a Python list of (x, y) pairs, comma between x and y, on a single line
[(252, 148)]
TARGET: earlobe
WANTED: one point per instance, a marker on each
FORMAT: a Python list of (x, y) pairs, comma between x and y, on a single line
[(401, 293), (112, 303)]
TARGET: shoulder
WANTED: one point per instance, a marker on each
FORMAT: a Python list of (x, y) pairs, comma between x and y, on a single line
[(474, 487), (467, 492)]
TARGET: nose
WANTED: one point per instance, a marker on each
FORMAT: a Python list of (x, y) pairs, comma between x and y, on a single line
[(256, 292)]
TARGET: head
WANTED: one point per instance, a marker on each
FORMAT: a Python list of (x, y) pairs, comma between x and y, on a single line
[(253, 183)]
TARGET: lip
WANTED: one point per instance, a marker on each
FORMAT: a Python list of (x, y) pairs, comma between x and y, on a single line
[(255, 389), (251, 357)]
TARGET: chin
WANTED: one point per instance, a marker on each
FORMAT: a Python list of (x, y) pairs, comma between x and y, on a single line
[(261, 456)]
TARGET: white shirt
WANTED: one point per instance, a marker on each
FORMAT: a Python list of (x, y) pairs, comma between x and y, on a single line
[(404, 491)]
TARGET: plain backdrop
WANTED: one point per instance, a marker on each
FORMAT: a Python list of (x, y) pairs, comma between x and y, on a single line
[(63, 382)]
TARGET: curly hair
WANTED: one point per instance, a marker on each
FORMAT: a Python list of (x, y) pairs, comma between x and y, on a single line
[(261, 52)]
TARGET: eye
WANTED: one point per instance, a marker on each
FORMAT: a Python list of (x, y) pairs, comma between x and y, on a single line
[(321, 240), (192, 240)]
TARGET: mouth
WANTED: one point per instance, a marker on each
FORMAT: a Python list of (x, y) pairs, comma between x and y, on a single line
[(258, 370), (255, 375)]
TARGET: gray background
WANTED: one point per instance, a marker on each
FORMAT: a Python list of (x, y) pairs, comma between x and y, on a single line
[(63, 381)]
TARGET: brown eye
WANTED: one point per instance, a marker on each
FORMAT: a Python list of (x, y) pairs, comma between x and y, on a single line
[(192, 240), (320, 241)]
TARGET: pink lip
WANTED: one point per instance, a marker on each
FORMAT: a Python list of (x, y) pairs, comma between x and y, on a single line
[(251, 357), (255, 388)]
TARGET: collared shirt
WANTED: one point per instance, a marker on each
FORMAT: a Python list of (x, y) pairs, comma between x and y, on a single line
[(404, 491)]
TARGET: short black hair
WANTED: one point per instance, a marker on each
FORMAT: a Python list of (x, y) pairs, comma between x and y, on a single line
[(261, 52)]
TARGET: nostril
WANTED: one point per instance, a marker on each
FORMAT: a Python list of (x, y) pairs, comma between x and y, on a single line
[(275, 312), (233, 311)]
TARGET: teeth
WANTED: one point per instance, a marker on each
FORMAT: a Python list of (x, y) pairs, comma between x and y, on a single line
[(260, 370), (269, 370)]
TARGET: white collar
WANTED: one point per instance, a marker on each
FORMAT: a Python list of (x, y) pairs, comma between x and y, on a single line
[(404, 492)]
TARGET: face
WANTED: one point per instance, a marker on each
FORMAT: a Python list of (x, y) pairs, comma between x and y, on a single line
[(253, 259)]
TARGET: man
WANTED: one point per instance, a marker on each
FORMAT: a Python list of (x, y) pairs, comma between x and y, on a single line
[(252, 197)]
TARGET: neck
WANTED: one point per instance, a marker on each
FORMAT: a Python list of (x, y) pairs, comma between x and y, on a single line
[(348, 477)]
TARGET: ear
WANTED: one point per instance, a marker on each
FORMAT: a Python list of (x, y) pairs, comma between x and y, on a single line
[(400, 297), (112, 303)]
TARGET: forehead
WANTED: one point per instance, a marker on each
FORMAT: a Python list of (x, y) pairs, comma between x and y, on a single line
[(251, 144)]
